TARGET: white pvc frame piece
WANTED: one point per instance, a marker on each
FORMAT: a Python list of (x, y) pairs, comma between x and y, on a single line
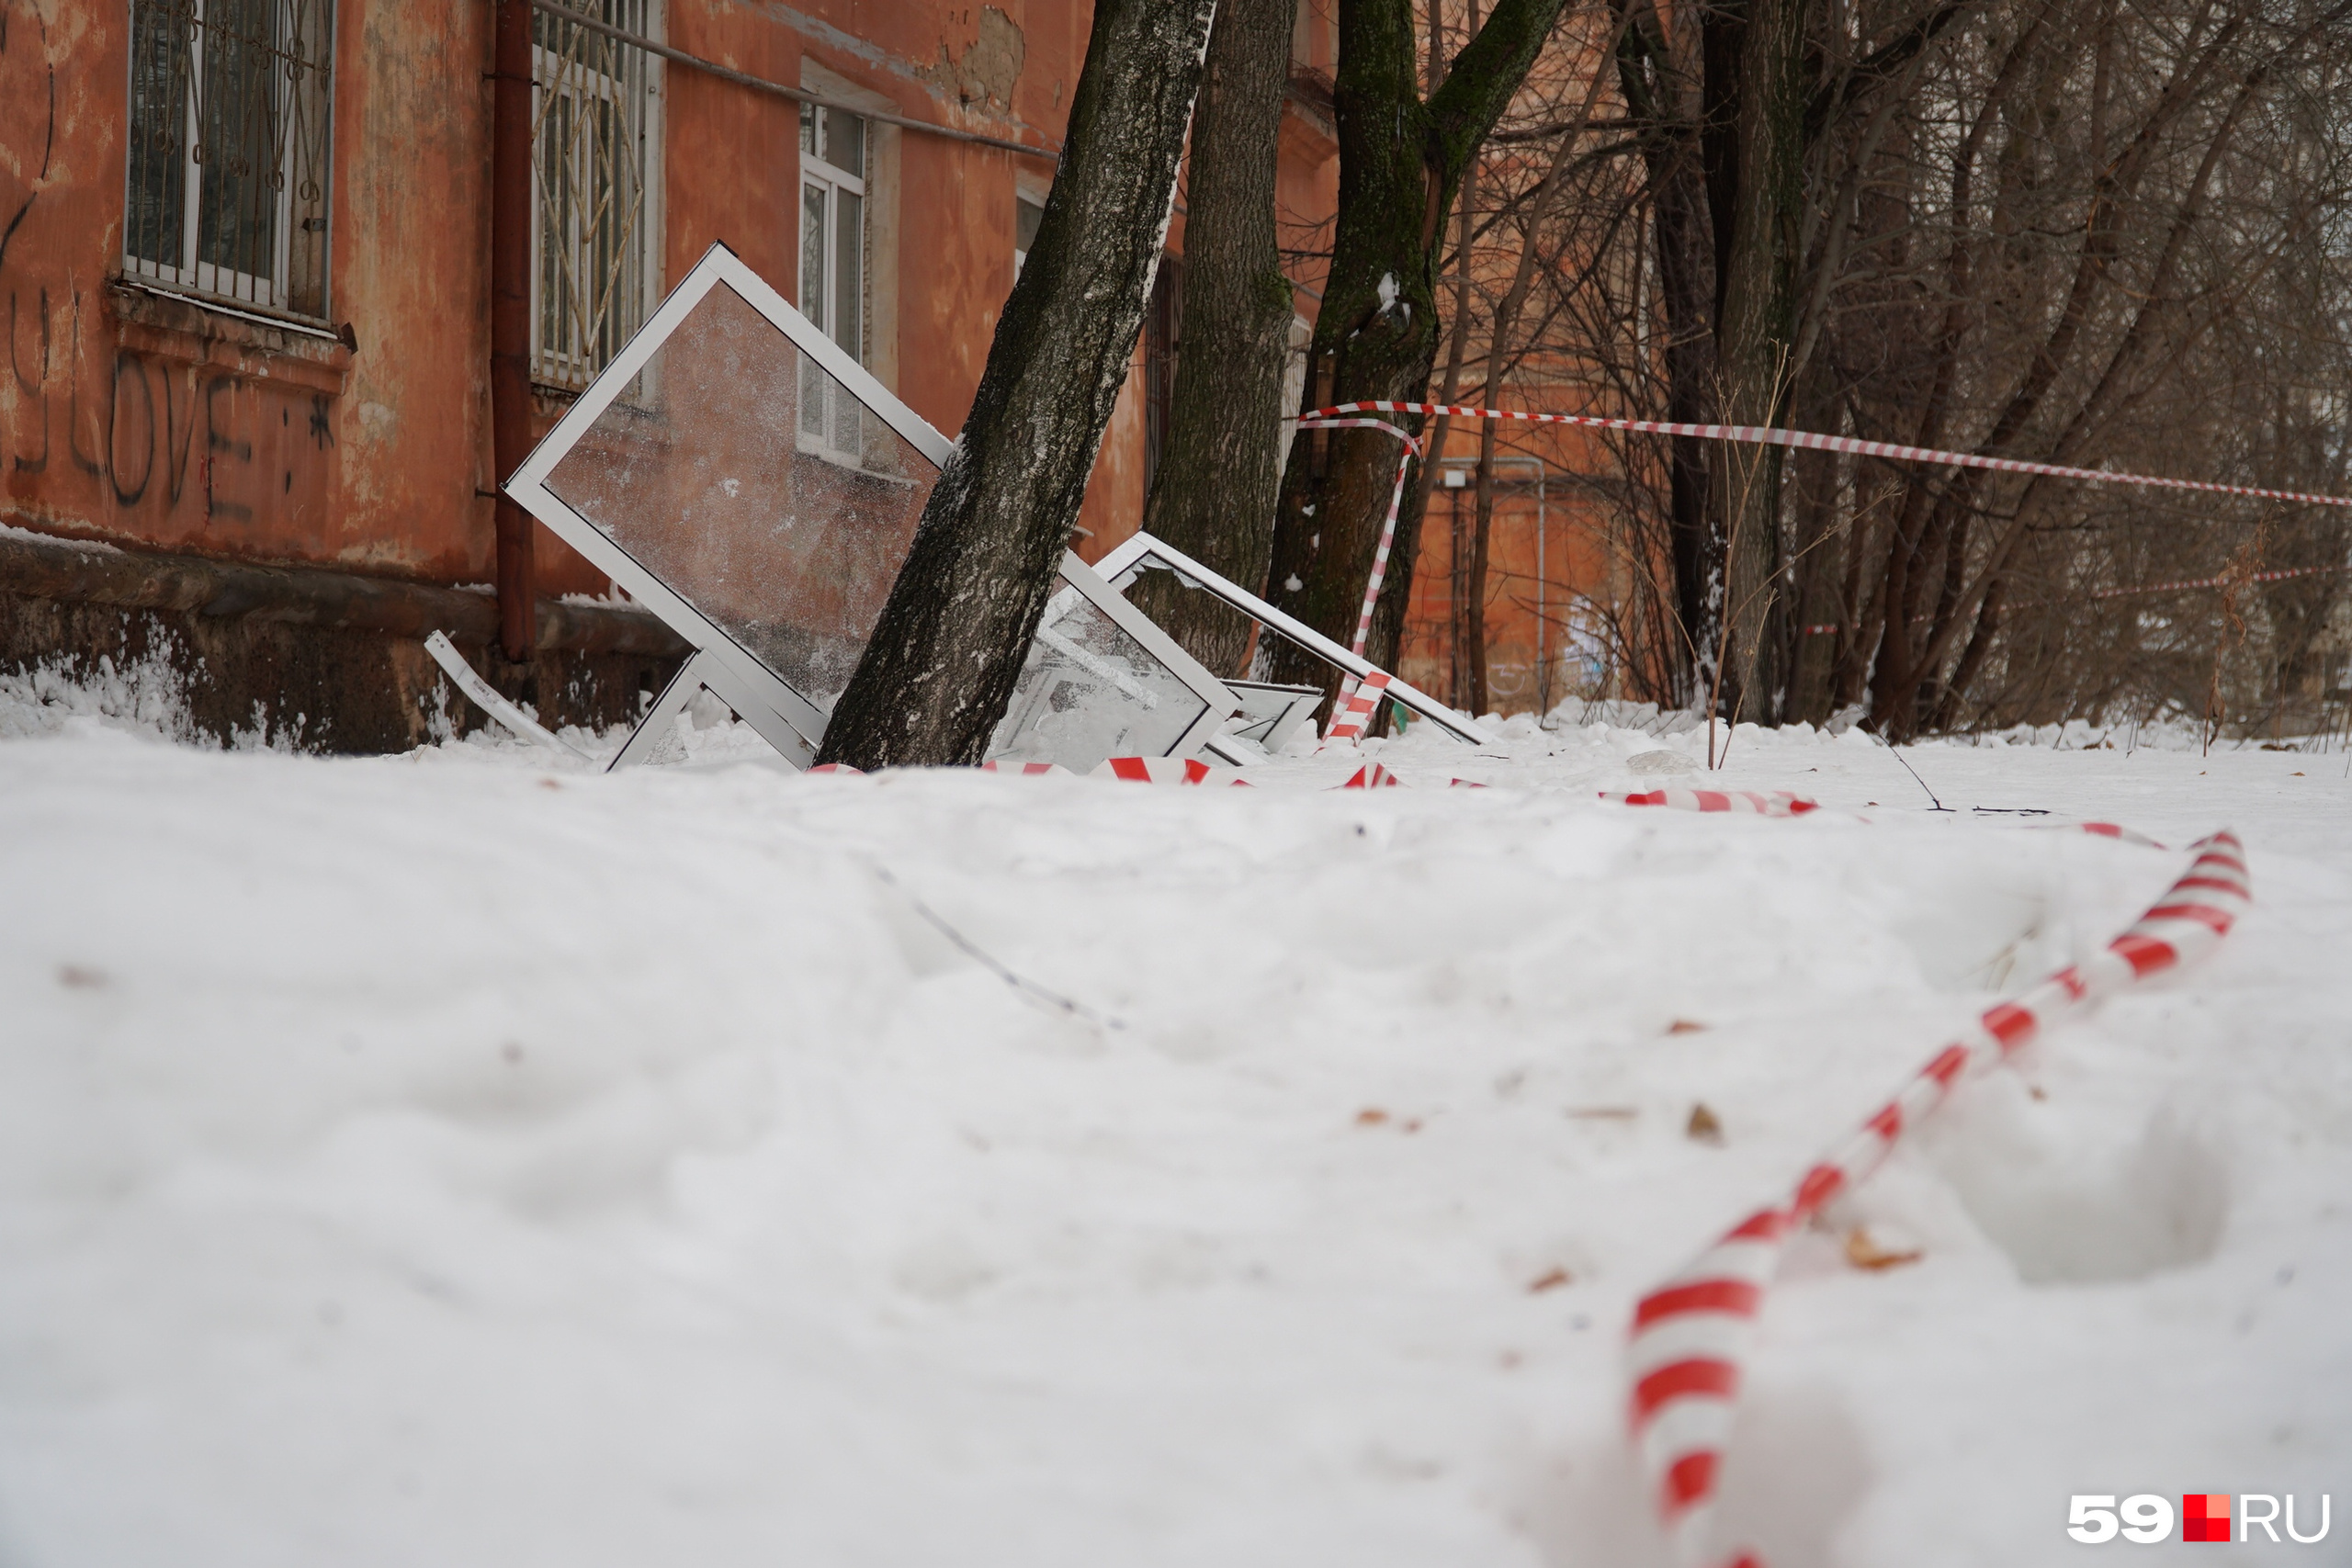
[(1282, 710), (1218, 702), (788, 721), (486, 696), (1130, 553), (700, 671)]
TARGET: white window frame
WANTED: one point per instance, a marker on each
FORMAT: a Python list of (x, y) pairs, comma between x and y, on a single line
[(782, 716), (826, 184), (573, 367), (274, 292), (1139, 552)]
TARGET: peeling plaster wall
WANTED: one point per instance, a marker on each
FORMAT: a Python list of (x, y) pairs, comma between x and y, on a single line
[(159, 424)]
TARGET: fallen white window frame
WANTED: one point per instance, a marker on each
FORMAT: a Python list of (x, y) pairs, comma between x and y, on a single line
[(1273, 709), (1217, 701), (486, 696), (784, 717), (1130, 555)]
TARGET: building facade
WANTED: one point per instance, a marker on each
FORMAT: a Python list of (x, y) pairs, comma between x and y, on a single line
[(246, 434)]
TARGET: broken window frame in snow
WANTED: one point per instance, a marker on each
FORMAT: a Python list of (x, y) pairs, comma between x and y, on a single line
[(781, 715), (1140, 551), (1217, 700), (784, 717)]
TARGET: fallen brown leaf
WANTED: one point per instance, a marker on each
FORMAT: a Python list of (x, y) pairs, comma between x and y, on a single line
[(1704, 1127), (1371, 1116), (1866, 1251), (1686, 1026), (1551, 1281)]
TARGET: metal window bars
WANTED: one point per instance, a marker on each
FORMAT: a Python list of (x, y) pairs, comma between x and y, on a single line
[(594, 136), (228, 166)]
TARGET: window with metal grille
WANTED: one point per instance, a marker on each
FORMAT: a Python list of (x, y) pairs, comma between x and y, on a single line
[(593, 129), (832, 274), (230, 105)]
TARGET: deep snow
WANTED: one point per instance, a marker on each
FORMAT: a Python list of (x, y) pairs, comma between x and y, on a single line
[(464, 1160)]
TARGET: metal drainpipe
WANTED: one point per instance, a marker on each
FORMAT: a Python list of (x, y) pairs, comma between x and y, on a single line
[(510, 322), (1543, 670)]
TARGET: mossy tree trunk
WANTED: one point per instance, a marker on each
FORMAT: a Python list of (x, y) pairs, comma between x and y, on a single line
[(936, 678), (1754, 144), (1659, 74), (1401, 161), (1213, 493)]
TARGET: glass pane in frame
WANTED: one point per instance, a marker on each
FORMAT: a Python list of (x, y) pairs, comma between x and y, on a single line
[(1089, 692), (697, 476)]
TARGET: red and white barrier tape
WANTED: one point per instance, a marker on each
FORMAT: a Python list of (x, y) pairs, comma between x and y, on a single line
[(1168, 771), (1026, 770), (1356, 708), (1768, 435), (1319, 420), (2218, 581), (1690, 1335), (2103, 830), (2160, 588), (1778, 803)]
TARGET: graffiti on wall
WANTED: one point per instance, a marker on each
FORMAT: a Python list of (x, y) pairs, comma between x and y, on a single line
[(92, 432)]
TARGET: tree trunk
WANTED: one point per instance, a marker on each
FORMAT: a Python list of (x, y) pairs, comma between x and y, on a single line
[(1213, 496), (1401, 161), (1660, 92), (1754, 143), (934, 680)]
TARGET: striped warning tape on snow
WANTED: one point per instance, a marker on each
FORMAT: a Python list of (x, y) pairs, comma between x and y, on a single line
[(1780, 803), (1356, 708), (1769, 436), (1690, 1335), (2103, 830), (1777, 802), (1027, 770), (1168, 771)]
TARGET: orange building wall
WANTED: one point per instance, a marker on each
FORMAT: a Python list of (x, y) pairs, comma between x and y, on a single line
[(1543, 645), (157, 424)]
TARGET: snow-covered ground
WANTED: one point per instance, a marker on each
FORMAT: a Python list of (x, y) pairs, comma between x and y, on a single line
[(465, 1159)]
